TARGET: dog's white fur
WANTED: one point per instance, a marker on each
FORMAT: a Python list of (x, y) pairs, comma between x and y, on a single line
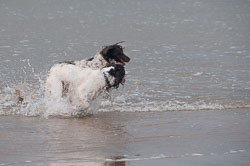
[(98, 62), (83, 84), (83, 80)]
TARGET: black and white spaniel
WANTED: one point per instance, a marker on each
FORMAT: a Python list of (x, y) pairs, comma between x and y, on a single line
[(82, 81), (80, 86)]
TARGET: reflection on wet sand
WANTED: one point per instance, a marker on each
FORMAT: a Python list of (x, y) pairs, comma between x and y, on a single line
[(92, 163), (113, 163), (85, 141)]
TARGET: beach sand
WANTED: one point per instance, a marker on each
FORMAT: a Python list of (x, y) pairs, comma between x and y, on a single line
[(218, 137)]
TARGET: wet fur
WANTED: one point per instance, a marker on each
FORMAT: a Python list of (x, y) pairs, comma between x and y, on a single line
[(80, 86), (112, 54), (60, 82)]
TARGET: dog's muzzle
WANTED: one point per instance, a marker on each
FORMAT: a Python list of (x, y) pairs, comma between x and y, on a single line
[(124, 59)]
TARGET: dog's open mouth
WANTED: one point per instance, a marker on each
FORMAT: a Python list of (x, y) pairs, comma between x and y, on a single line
[(124, 60)]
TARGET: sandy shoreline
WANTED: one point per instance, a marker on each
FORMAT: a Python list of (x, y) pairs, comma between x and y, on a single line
[(219, 137)]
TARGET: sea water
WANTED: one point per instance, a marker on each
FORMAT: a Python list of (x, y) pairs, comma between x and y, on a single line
[(185, 55)]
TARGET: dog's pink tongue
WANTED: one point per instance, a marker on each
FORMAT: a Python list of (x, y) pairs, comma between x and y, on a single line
[(122, 62)]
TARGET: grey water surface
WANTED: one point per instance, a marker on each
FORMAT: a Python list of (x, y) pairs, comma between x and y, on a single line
[(189, 58), (185, 54)]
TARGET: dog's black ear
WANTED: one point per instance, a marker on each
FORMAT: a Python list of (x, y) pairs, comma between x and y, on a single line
[(112, 72), (106, 51), (118, 72)]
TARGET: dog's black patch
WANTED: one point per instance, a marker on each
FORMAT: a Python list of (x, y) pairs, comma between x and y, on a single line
[(68, 62), (119, 73)]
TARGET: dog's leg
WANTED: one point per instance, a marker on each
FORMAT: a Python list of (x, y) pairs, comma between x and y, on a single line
[(80, 99)]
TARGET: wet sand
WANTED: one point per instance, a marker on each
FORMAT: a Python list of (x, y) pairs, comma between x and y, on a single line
[(219, 137)]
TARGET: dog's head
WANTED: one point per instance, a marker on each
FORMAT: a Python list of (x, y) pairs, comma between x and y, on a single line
[(116, 71), (114, 54)]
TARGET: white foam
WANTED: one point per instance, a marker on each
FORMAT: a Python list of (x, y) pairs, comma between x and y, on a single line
[(198, 74), (162, 156), (235, 151), (36, 104), (23, 41), (197, 154), (121, 104)]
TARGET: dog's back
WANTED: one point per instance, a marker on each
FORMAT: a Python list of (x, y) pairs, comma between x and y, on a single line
[(62, 75)]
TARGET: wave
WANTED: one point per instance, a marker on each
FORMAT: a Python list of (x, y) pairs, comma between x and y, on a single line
[(36, 104), (160, 106)]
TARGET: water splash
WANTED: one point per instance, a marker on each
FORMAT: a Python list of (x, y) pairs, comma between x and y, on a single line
[(36, 104)]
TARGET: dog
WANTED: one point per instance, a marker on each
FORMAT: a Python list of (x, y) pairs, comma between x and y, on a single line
[(111, 54), (81, 86), (64, 77)]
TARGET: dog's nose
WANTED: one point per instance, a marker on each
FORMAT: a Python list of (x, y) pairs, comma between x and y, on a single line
[(126, 58)]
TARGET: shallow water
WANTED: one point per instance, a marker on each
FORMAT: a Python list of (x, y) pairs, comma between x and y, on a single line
[(187, 57), (136, 138)]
